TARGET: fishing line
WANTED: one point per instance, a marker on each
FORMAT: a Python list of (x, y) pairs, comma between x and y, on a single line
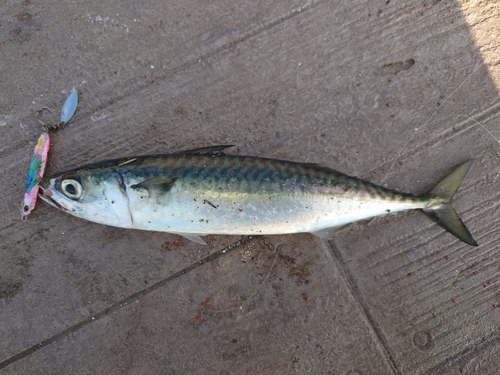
[(254, 292), (266, 279), (484, 127), (111, 265), (426, 123)]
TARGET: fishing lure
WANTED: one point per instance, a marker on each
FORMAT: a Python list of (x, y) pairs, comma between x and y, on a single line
[(35, 174), (40, 156), (69, 107), (67, 111)]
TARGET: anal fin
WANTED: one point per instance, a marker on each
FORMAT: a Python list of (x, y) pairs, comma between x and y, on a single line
[(325, 233), (191, 237)]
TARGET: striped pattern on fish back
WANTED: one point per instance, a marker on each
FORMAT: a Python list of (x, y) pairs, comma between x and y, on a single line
[(256, 175)]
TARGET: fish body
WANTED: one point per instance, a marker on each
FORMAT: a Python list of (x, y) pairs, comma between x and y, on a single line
[(203, 192)]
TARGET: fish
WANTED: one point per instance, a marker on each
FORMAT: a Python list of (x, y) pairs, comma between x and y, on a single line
[(35, 174), (205, 191)]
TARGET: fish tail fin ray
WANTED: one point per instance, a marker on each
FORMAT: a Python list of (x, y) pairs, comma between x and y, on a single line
[(447, 187), (444, 214)]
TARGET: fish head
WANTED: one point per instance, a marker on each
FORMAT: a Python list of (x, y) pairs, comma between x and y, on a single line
[(100, 196)]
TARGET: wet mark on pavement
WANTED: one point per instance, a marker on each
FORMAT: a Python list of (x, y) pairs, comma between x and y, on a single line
[(9, 289), (423, 340), (173, 245), (394, 68)]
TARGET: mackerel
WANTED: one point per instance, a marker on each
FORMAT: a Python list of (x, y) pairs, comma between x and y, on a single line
[(203, 191)]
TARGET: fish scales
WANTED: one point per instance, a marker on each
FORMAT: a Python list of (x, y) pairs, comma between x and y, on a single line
[(260, 174), (195, 194)]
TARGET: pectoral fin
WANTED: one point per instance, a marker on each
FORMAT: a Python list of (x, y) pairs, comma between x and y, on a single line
[(161, 184), (155, 188)]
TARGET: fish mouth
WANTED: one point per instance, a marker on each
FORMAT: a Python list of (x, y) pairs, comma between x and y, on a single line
[(47, 194)]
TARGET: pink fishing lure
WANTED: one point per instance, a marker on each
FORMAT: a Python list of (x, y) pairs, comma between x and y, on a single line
[(35, 174)]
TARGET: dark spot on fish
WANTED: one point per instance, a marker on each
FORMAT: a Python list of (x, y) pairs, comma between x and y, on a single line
[(194, 199), (112, 202), (239, 209), (305, 297), (388, 211), (201, 220), (210, 203)]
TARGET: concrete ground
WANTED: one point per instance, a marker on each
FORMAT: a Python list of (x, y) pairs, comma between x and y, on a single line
[(396, 92)]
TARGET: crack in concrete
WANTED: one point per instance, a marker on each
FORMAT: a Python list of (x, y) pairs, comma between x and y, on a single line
[(375, 330), (204, 56), (483, 343), (122, 303)]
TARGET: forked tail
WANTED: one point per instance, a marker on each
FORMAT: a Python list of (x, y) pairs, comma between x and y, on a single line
[(443, 213)]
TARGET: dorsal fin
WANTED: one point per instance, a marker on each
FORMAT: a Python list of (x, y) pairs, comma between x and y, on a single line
[(210, 150)]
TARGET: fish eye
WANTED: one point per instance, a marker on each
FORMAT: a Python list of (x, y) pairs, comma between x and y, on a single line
[(72, 188)]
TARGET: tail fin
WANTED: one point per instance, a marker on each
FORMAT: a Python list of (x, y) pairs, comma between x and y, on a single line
[(444, 214)]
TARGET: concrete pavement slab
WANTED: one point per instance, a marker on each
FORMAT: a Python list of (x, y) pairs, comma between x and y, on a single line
[(481, 359), (269, 306), (396, 92)]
